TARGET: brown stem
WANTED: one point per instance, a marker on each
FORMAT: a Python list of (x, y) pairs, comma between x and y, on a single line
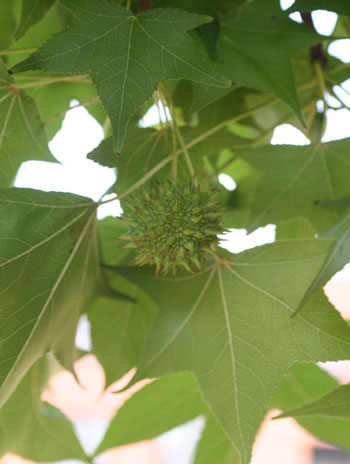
[(144, 5), (316, 51)]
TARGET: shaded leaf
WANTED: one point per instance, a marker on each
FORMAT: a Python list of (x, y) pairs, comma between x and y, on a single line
[(296, 178), (148, 152), (33, 429), (192, 97), (54, 20), (250, 43), (143, 52), (54, 100), (22, 133), (339, 6), (342, 203), (110, 230), (244, 309), (32, 12), (7, 22), (119, 328), (48, 272)]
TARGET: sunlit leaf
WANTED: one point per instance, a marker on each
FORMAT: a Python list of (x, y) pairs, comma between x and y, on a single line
[(162, 405), (338, 256), (335, 404), (231, 326), (303, 384), (22, 134), (48, 272)]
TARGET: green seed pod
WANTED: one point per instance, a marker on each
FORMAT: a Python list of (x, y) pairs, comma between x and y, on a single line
[(172, 226)]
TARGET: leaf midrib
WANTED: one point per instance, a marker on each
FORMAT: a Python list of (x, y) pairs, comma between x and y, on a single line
[(233, 364)]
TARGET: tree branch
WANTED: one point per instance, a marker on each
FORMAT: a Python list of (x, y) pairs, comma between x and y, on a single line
[(316, 51), (144, 5)]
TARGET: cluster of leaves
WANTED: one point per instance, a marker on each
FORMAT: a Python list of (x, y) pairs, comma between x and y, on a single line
[(235, 339)]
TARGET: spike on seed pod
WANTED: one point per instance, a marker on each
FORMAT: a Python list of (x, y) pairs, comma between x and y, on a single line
[(172, 226)]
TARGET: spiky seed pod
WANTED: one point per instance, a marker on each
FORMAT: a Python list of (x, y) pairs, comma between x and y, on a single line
[(173, 226)]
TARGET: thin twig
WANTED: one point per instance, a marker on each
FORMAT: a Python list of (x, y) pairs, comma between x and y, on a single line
[(144, 5), (13, 51)]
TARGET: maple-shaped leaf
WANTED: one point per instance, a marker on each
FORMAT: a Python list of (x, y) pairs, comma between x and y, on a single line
[(231, 326), (125, 55), (34, 429), (22, 133), (296, 179), (256, 48), (48, 264)]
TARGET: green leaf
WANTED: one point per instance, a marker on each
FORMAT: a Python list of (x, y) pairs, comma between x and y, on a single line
[(145, 49), (247, 178), (48, 272), (296, 178), (252, 41), (22, 133), (303, 384), (334, 404), (342, 203), (53, 101), (33, 429), (148, 152), (7, 22), (214, 446), (119, 328), (338, 256), (110, 230), (294, 228), (192, 97), (162, 405), (339, 6), (54, 20), (143, 150), (158, 407), (32, 12), (231, 326)]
